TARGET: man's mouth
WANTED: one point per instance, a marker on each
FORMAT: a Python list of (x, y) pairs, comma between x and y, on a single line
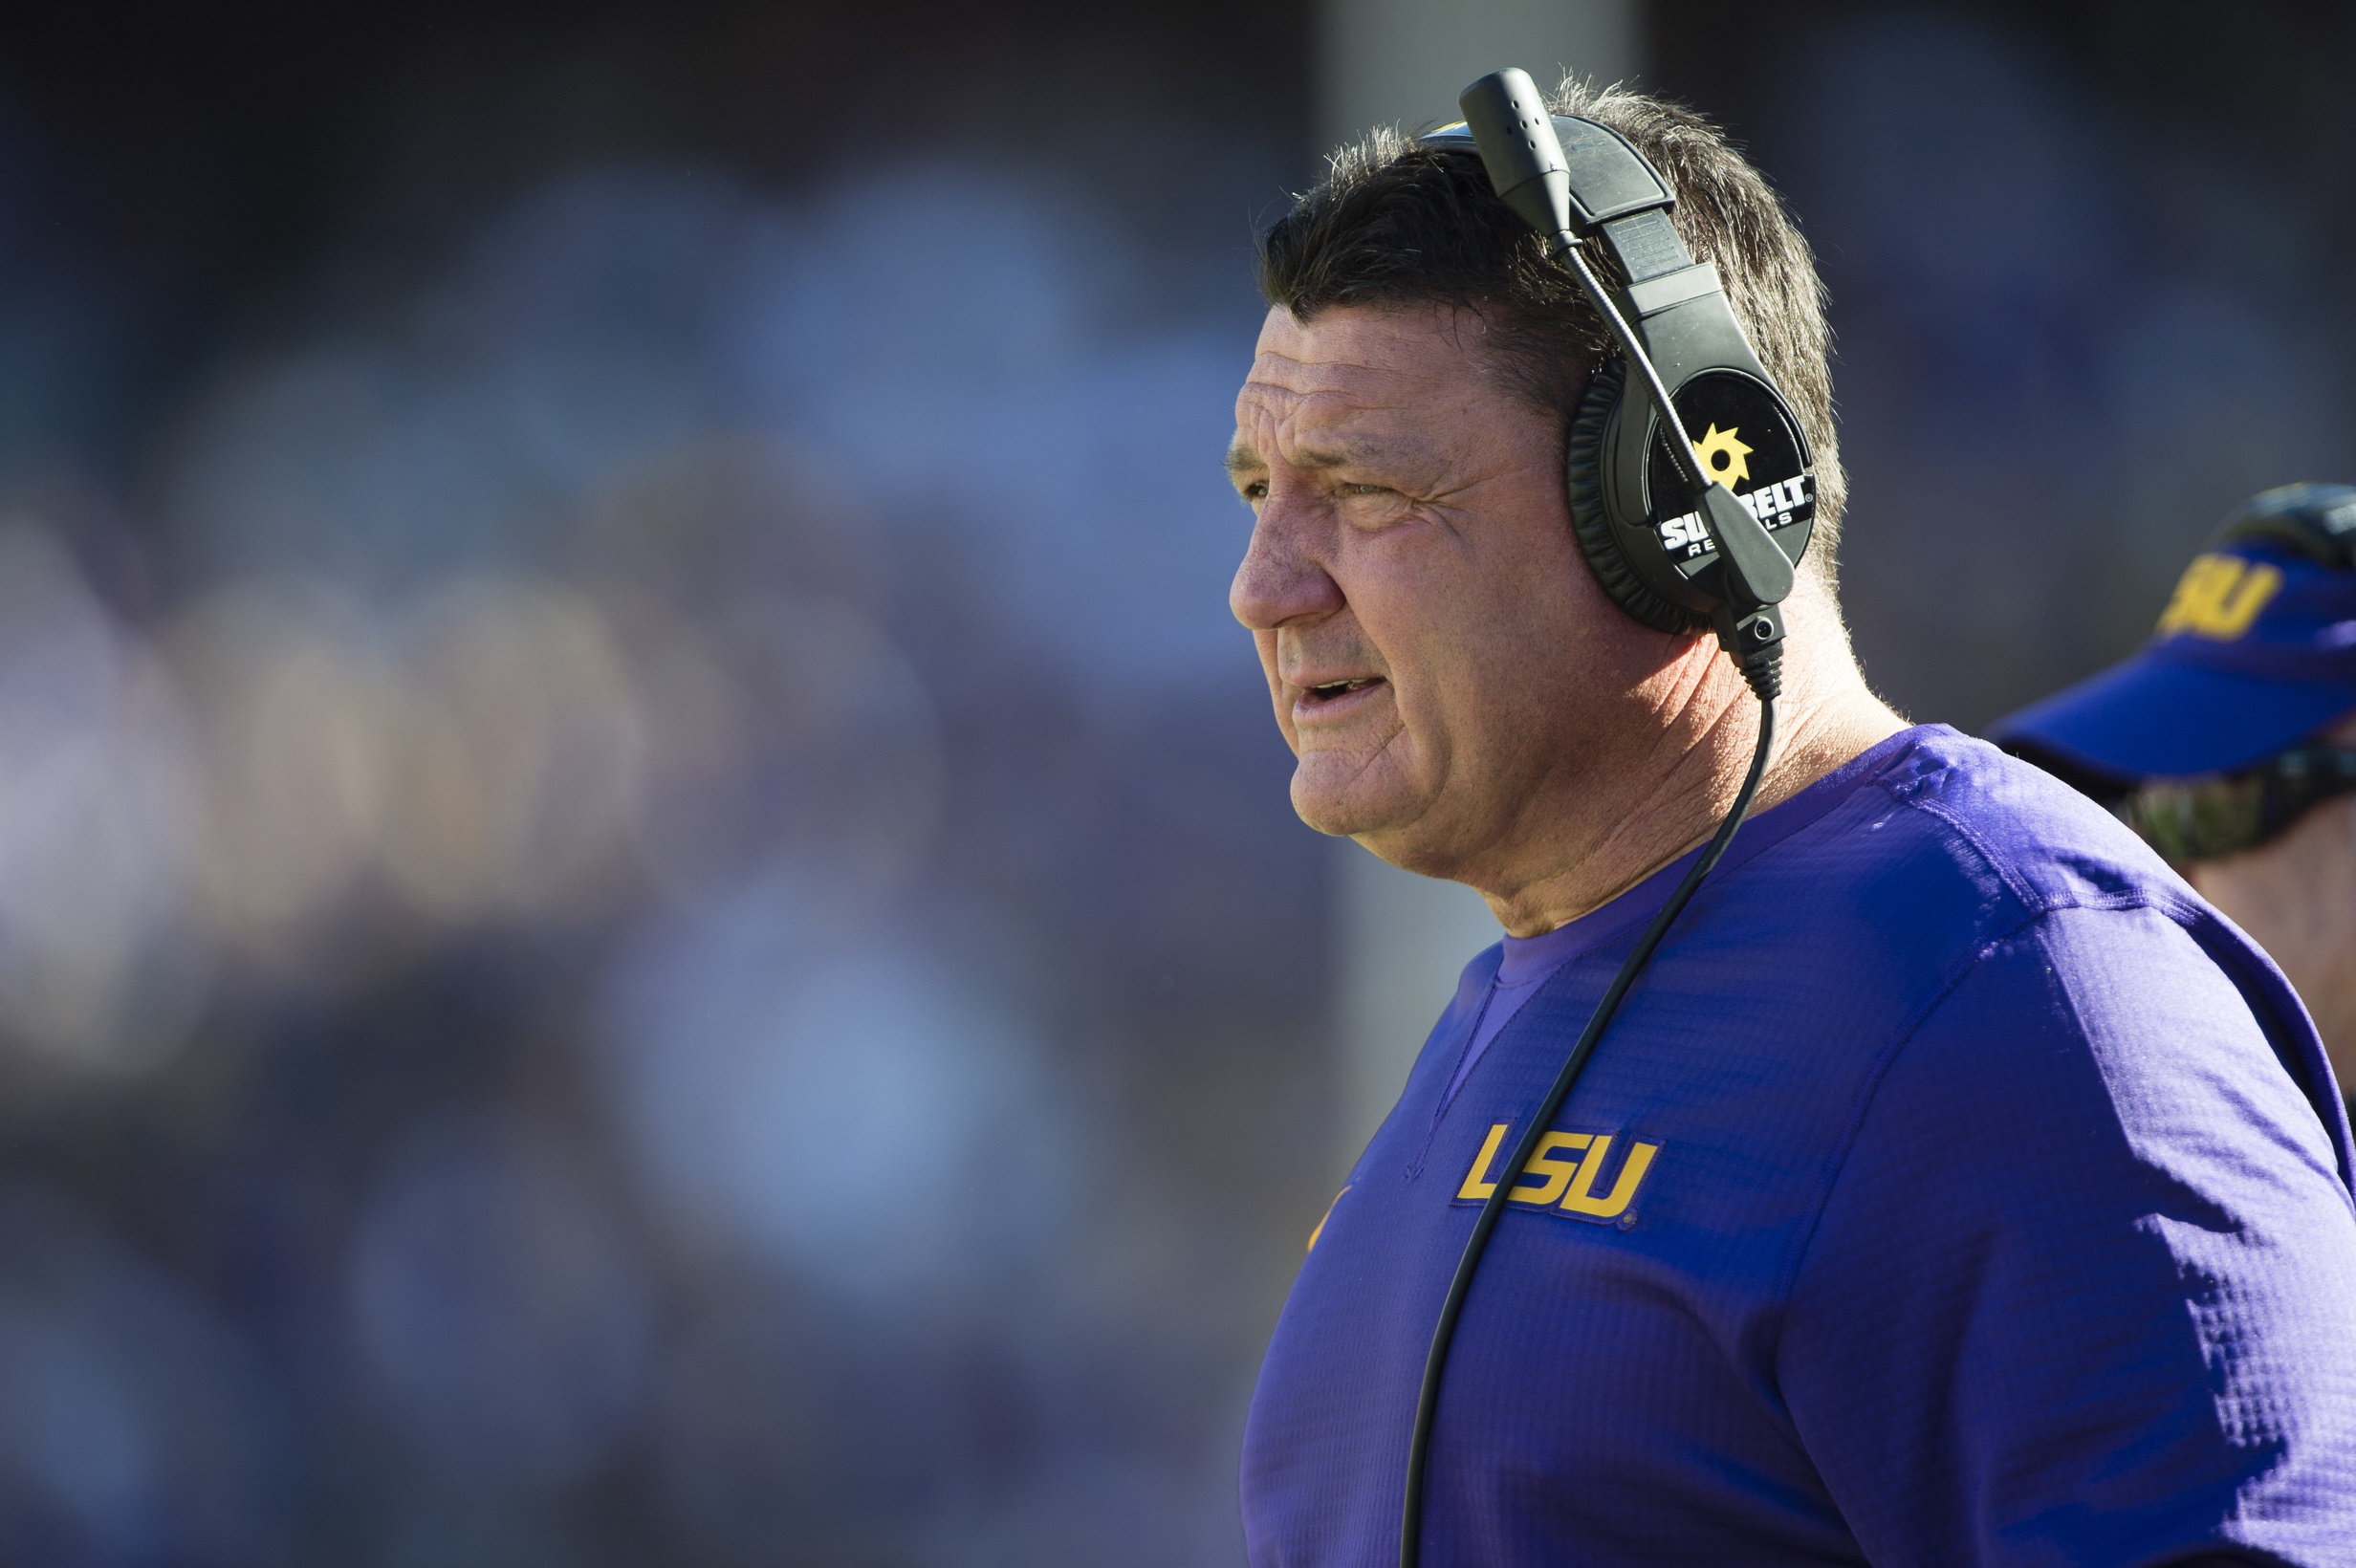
[(1335, 690)]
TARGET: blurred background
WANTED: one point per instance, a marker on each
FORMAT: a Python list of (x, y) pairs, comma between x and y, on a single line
[(647, 913)]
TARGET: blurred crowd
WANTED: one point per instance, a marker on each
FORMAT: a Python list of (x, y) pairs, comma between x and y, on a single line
[(649, 918)]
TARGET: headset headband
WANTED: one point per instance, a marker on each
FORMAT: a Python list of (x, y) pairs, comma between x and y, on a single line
[(1616, 194)]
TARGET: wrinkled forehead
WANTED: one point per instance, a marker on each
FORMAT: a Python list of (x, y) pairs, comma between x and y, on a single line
[(1379, 368)]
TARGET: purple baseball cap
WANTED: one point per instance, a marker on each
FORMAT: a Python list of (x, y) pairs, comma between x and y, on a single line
[(2255, 652)]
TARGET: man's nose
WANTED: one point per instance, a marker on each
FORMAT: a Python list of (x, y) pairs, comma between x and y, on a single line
[(1281, 582)]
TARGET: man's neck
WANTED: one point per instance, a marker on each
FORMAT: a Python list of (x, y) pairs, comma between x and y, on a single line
[(1827, 717)]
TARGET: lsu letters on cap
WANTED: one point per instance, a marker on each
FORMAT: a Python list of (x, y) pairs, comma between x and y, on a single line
[(2254, 652)]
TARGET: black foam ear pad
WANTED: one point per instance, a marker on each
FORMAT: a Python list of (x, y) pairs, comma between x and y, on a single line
[(1582, 480)]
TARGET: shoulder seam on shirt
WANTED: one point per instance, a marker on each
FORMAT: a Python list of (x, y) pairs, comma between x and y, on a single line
[(2190, 916), (2174, 910), (1900, 1037), (2029, 898), (2032, 900), (2030, 907), (2203, 926)]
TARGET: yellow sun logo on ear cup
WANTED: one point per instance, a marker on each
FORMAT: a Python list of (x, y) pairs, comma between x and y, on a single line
[(1723, 458)]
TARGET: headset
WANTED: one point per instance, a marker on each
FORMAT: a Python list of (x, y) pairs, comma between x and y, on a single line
[(1654, 512)]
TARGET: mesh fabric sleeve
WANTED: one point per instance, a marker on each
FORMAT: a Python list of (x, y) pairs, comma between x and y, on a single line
[(2084, 1288)]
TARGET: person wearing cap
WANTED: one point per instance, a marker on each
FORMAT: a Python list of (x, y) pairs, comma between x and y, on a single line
[(2229, 740)]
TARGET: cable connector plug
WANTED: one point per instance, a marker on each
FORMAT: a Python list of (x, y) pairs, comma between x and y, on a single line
[(1755, 643)]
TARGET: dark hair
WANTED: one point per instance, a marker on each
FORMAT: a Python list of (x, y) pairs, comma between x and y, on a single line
[(1397, 222)]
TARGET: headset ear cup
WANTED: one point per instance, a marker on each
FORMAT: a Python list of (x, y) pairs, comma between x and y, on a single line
[(1583, 481)]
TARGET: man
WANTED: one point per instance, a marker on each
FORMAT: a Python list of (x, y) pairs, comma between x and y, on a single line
[(1950, 1191), (2230, 739)]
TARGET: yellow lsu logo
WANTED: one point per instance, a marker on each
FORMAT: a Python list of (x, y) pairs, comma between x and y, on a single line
[(1564, 1172), (2219, 597)]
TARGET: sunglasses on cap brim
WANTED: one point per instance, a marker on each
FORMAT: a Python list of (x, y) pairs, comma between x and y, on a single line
[(2190, 820)]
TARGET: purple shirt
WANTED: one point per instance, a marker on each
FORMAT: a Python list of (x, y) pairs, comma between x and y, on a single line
[(1951, 1190), (1527, 964)]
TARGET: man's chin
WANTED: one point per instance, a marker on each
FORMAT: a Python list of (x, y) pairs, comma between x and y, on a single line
[(1381, 812), (1347, 807)]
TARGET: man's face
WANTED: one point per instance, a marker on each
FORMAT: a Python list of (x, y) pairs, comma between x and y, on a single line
[(1441, 660)]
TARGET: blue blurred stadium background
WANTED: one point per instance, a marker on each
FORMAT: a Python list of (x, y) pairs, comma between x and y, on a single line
[(647, 907)]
